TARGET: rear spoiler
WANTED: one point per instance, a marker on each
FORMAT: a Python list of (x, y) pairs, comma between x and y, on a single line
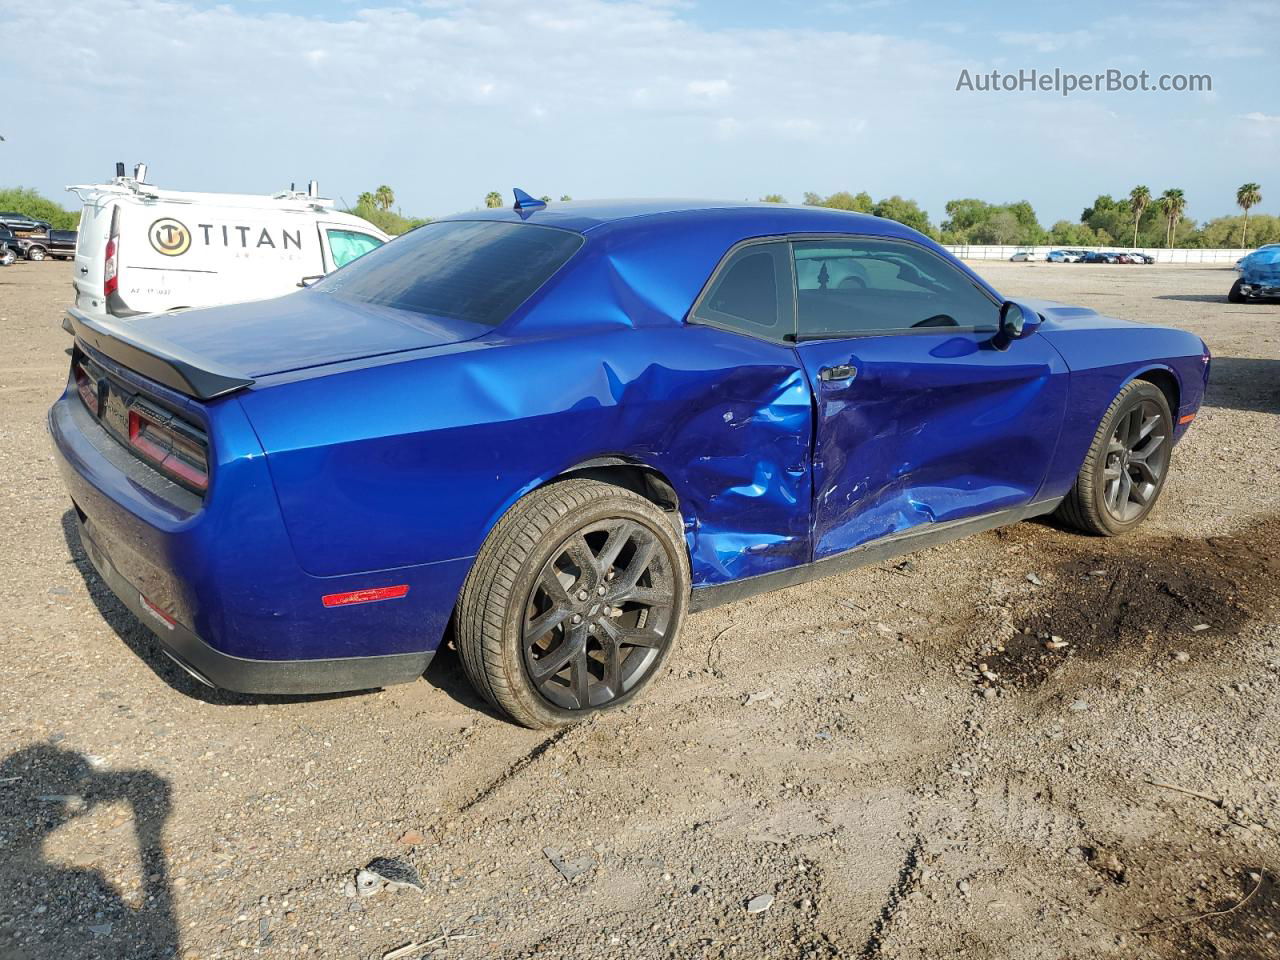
[(162, 362)]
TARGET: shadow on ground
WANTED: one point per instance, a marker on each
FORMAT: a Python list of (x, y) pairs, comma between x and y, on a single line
[(1244, 383), (53, 910)]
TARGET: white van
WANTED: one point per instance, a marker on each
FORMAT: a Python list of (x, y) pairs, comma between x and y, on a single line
[(141, 249)]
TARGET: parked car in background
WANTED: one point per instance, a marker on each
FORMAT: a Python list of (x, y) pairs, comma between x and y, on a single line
[(1259, 276), (1065, 256), (1136, 256), (142, 249), (1098, 256), (562, 428), (1026, 256), (9, 247), (58, 244), (23, 225)]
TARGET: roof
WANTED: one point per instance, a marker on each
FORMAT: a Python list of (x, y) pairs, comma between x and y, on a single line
[(645, 261), (759, 219)]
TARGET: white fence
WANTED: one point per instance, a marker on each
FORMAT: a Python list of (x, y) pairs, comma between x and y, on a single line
[(1176, 255)]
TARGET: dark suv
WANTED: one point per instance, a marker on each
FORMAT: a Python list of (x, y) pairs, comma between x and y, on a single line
[(21, 223)]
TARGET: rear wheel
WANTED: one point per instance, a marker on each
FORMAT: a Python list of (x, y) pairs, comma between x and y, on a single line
[(1126, 466), (573, 603), (7, 256), (1234, 295), (35, 253)]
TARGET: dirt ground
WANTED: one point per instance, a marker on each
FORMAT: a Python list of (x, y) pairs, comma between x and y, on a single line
[(895, 755)]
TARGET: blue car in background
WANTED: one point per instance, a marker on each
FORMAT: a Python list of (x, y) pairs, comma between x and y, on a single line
[(1259, 275), (553, 432)]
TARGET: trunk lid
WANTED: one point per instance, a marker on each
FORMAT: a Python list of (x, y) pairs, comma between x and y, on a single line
[(294, 332)]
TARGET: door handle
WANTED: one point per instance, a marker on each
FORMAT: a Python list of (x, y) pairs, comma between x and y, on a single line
[(838, 373)]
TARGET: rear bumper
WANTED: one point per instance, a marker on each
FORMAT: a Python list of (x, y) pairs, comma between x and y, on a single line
[(242, 675), (239, 612)]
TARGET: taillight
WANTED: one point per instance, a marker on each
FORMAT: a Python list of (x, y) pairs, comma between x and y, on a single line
[(170, 446), (111, 259), (86, 387)]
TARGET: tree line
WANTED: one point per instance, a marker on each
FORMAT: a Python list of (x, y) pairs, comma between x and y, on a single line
[(1139, 220)]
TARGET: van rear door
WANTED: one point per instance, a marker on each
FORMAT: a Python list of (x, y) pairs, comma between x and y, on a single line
[(91, 243), (342, 243)]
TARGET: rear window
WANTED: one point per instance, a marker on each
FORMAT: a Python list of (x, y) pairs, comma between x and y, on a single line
[(472, 270)]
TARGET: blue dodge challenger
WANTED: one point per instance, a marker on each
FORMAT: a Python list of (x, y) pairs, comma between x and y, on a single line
[(554, 432)]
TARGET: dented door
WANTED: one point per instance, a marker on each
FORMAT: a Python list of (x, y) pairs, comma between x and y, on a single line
[(925, 428)]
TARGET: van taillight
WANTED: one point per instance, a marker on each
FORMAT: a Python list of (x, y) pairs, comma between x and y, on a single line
[(111, 259), (110, 282), (86, 387), (169, 446)]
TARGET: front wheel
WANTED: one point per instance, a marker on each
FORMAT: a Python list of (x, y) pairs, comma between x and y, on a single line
[(7, 257), (1234, 295), (1127, 464), (573, 603)]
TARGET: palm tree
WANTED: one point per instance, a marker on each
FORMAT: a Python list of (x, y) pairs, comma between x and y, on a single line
[(384, 197), (365, 200), (1172, 205), (1139, 200), (773, 198), (545, 199), (493, 199), (1249, 195), (565, 198)]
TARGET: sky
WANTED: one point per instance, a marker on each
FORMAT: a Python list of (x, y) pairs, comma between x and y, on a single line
[(445, 100)]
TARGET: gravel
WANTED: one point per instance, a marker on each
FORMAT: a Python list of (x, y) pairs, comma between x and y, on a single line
[(931, 821)]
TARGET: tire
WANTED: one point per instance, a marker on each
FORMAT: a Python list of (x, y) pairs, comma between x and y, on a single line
[(1133, 441), (7, 257), (524, 576), (36, 254), (1234, 295)]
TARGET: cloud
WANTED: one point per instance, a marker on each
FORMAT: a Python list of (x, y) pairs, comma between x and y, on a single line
[(1268, 119), (710, 89), (448, 99), (1047, 42)]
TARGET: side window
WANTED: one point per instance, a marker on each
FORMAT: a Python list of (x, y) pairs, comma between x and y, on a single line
[(858, 286), (752, 292), (346, 245)]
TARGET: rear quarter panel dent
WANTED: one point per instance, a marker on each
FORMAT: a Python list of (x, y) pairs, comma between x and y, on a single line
[(414, 463)]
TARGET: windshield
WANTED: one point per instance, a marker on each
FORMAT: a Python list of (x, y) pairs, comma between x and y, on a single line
[(474, 270)]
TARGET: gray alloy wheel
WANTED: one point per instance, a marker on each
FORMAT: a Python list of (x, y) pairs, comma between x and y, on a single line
[(7, 256), (573, 604), (1127, 464), (35, 253)]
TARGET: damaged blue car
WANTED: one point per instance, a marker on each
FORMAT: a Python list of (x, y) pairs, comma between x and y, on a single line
[(552, 432), (1259, 275)]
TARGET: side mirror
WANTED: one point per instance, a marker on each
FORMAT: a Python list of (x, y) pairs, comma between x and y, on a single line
[(1017, 322), (308, 281)]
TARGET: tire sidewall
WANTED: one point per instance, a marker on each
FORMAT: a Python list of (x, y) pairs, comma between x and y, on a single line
[(548, 545), (1135, 392)]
